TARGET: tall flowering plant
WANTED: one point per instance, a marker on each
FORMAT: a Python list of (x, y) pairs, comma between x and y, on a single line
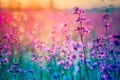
[(81, 30), (105, 51)]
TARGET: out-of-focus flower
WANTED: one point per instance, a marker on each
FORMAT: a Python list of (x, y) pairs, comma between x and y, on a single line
[(103, 77), (47, 58), (80, 19), (76, 9), (67, 64), (107, 25), (14, 69), (59, 62), (5, 60), (62, 54), (19, 70), (95, 65), (105, 17), (76, 46), (55, 75), (102, 67), (9, 53), (34, 57)]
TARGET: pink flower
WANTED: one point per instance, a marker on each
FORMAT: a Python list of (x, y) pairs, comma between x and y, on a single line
[(9, 53), (36, 46), (67, 64), (5, 60), (72, 57), (47, 58), (33, 59), (102, 67), (59, 63), (104, 76)]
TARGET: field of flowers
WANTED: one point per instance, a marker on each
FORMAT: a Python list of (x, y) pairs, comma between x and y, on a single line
[(79, 51)]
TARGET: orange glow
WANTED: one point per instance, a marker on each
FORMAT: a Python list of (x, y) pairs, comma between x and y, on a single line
[(56, 4)]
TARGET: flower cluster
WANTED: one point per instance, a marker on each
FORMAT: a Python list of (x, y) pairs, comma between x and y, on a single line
[(73, 59)]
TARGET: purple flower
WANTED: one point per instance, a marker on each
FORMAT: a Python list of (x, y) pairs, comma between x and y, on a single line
[(9, 70), (116, 36), (74, 56), (76, 9), (5, 60), (19, 70), (103, 77), (107, 25), (117, 43), (78, 29), (80, 19), (67, 64), (47, 58), (34, 57), (59, 62), (1, 55), (105, 17), (9, 53)]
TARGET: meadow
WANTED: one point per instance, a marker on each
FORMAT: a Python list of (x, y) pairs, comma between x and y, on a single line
[(77, 45)]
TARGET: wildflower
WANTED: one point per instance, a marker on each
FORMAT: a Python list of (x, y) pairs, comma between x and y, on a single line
[(116, 36), (14, 69), (117, 43), (107, 25), (19, 70), (67, 64), (95, 65), (76, 46), (59, 62), (62, 54), (73, 56), (34, 57), (5, 60), (47, 58), (105, 17), (102, 67), (9, 53), (56, 75), (13, 66), (76, 9), (9, 70), (80, 19), (118, 52), (103, 77)]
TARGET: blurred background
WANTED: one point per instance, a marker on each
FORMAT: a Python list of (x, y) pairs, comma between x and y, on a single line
[(32, 30), (36, 18), (56, 4)]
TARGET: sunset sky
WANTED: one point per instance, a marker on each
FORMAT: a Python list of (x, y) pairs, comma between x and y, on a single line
[(56, 4)]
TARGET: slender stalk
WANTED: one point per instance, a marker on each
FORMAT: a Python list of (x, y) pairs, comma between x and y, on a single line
[(83, 47), (85, 59)]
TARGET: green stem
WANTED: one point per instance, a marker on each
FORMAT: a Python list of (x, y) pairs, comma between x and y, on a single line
[(83, 47)]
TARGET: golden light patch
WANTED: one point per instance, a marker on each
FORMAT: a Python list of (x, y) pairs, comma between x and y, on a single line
[(59, 4)]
